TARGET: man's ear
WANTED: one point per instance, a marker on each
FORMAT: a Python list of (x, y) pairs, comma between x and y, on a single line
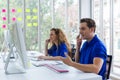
[(92, 29)]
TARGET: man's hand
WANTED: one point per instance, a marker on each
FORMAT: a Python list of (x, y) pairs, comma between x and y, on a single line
[(79, 41), (67, 60)]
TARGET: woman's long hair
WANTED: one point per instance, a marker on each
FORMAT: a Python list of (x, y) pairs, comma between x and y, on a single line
[(62, 38)]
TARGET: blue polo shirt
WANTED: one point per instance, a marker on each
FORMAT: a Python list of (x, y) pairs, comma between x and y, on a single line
[(92, 49), (58, 51)]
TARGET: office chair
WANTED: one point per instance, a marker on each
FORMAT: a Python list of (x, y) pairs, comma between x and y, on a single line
[(108, 66), (73, 50), (73, 54)]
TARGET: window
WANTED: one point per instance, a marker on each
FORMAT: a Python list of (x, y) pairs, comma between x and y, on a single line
[(96, 15), (106, 23), (59, 9), (31, 24), (3, 20), (73, 20), (46, 21), (38, 17), (116, 38), (111, 28)]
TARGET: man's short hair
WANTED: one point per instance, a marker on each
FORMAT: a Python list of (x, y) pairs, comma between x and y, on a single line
[(90, 22)]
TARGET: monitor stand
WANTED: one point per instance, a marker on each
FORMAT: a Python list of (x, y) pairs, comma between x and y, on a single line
[(13, 63)]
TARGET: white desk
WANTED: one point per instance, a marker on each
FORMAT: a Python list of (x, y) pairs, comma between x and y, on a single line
[(44, 73)]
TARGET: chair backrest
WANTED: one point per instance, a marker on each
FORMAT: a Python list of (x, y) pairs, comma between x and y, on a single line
[(73, 50), (108, 66)]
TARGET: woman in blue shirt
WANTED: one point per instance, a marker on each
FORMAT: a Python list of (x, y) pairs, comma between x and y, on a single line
[(60, 45)]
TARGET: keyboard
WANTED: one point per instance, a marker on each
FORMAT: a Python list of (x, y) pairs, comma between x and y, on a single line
[(44, 62), (57, 68), (35, 59)]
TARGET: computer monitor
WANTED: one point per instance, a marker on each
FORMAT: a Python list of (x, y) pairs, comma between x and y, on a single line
[(6, 45), (17, 57)]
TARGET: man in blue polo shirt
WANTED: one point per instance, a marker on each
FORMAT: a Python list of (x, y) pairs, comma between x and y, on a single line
[(91, 56)]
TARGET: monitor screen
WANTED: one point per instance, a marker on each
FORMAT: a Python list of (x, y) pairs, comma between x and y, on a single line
[(17, 47)]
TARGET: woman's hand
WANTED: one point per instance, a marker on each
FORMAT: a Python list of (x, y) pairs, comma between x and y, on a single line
[(47, 41), (41, 57)]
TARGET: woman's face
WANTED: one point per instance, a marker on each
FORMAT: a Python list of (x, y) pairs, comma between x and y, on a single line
[(53, 36)]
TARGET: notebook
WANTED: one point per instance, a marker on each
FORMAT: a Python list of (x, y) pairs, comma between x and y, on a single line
[(57, 68)]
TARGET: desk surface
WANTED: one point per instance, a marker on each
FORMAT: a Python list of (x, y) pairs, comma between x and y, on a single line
[(44, 73)]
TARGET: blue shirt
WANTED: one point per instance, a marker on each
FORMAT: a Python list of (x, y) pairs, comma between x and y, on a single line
[(92, 49), (58, 51)]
